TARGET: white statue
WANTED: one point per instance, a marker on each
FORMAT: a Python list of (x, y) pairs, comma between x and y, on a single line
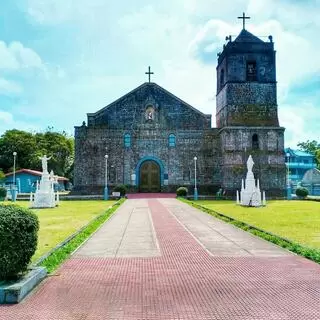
[(250, 163), (45, 197), (250, 194), (44, 161)]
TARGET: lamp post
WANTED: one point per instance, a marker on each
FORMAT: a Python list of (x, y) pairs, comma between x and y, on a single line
[(106, 191), (195, 194), (13, 188), (288, 180)]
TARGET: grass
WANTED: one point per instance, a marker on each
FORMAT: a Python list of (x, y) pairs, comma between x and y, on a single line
[(56, 224), (298, 221), (280, 240), (61, 254)]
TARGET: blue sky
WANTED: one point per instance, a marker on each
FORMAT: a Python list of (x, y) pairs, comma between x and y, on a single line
[(60, 59)]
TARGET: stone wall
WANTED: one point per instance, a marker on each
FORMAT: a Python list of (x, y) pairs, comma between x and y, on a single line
[(129, 112), (178, 164), (237, 145)]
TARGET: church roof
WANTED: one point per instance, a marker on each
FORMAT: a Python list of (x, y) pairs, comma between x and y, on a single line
[(146, 84), (33, 173), (246, 36)]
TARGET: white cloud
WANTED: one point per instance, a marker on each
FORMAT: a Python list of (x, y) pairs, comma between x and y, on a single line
[(15, 56), (172, 36), (9, 121), (53, 12), (301, 122), (26, 57), (9, 87), (5, 117)]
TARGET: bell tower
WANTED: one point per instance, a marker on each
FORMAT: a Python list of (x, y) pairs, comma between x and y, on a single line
[(246, 82), (247, 111)]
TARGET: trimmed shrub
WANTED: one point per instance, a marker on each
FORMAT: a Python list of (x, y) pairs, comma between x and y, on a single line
[(302, 192), (121, 188), (18, 240), (182, 192), (3, 193)]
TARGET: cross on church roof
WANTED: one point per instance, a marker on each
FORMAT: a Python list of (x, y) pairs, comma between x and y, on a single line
[(149, 73), (243, 20)]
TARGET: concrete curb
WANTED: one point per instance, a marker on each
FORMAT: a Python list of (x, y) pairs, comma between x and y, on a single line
[(14, 292)]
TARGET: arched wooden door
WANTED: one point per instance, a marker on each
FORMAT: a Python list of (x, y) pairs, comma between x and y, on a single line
[(149, 177)]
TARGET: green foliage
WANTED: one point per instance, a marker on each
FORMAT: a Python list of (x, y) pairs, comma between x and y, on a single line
[(309, 253), (3, 193), (19, 236), (182, 192), (309, 146), (120, 188), (2, 176), (30, 146), (312, 147), (302, 192), (23, 143)]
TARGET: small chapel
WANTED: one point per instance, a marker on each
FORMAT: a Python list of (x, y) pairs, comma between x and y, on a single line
[(155, 142)]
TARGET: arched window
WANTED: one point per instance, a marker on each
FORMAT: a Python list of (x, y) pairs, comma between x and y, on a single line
[(127, 140), (255, 142), (172, 140), (221, 78), (251, 71)]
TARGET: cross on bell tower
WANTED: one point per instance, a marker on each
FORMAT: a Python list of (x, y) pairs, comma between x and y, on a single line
[(244, 20), (149, 73)]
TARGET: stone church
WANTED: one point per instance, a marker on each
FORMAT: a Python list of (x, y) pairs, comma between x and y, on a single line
[(152, 137)]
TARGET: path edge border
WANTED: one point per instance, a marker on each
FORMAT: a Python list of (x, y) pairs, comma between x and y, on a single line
[(107, 214), (304, 251), (14, 292)]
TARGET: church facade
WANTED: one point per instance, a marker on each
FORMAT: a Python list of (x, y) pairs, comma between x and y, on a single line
[(152, 137)]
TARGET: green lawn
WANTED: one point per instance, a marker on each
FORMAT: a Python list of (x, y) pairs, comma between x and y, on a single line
[(296, 220), (56, 224)]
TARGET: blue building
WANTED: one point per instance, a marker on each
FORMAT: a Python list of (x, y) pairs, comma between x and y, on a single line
[(26, 180), (298, 163)]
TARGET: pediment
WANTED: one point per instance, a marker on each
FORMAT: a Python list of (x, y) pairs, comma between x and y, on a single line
[(136, 106)]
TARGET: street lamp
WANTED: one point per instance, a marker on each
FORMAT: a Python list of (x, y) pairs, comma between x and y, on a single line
[(13, 188), (195, 194), (106, 191), (289, 197)]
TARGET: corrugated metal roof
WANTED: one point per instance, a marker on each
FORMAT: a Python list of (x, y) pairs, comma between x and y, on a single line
[(35, 173)]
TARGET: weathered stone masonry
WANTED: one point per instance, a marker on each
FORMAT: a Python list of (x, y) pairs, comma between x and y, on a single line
[(151, 124)]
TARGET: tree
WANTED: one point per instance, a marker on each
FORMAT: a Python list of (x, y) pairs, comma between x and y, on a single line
[(31, 146), (309, 146), (23, 143), (60, 147), (2, 176), (312, 147)]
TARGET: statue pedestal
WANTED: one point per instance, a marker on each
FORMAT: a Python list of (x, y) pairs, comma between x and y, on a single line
[(44, 197)]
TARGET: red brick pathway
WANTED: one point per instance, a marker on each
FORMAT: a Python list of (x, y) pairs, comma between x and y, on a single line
[(184, 283), (150, 195)]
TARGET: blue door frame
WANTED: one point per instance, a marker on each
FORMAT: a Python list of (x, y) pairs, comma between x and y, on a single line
[(149, 158)]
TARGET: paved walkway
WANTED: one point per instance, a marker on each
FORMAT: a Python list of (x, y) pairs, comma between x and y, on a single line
[(165, 260)]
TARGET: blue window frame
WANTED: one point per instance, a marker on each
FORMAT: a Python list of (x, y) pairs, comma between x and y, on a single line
[(172, 140), (127, 140)]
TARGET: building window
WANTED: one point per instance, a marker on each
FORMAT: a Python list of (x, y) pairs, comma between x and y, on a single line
[(127, 140), (172, 140), (221, 78), (251, 71), (255, 142)]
